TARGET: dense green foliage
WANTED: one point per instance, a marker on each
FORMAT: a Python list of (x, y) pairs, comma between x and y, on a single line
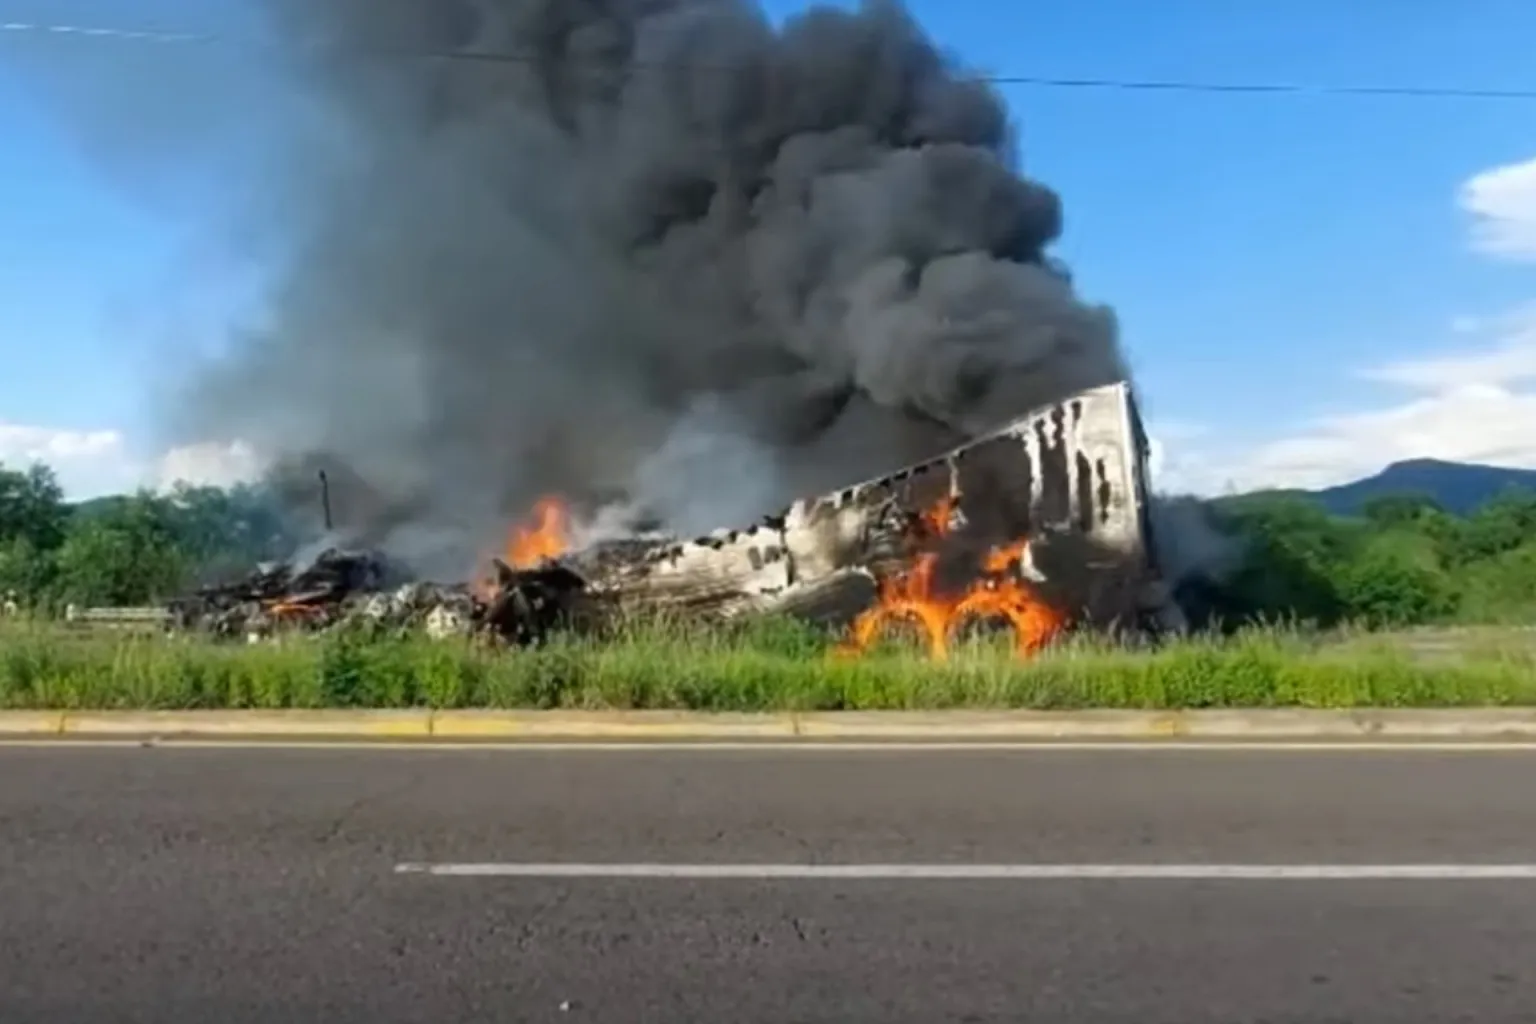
[(127, 550), (1403, 561)]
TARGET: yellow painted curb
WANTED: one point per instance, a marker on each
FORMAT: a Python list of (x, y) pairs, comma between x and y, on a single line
[(656, 725), (32, 723), (215, 724), (992, 725), (1503, 724)]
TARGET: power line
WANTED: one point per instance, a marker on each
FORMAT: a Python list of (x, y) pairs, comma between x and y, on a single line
[(1154, 85), (1037, 81), (102, 32)]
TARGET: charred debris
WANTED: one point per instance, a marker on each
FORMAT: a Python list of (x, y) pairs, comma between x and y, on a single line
[(340, 588)]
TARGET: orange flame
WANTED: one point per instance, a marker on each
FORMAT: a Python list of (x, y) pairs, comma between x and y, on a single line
[(999, 593), (544, 535), (289, 610), (548, 536)]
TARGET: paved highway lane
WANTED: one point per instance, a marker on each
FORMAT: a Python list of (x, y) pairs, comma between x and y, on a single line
[(175, 884)]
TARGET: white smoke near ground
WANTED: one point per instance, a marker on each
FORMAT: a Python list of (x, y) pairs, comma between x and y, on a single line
[(707, 472)]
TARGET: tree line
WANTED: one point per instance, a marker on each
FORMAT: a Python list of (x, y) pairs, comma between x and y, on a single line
[(1403, 560), (127, 550)]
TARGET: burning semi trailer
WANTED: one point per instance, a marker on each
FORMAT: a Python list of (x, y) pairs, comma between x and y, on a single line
[(679, 263), (1040, 526)]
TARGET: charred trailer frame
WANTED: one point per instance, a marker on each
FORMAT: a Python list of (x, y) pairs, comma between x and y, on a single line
[(1070, 478)]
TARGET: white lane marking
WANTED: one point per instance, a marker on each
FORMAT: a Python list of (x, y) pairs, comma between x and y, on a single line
[(1403, 746), (991, 872)]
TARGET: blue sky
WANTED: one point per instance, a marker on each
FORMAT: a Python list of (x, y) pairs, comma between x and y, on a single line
[(1298, 277)]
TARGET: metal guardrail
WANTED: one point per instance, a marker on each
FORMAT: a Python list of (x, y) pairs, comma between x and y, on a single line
[(114, 616)]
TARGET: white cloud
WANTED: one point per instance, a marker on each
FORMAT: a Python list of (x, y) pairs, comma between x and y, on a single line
[(90, 463), (1475, 405), (1502, 202), (212, 463), (1485, 423), (1509, 357), (29, 444)]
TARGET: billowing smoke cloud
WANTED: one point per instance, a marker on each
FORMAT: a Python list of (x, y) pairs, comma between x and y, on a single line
[(670, 255)]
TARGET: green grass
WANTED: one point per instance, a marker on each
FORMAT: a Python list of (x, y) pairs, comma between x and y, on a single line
[(765, 666)]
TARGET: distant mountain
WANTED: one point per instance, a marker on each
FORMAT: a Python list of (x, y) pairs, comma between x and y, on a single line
[(93, 507), (1458, 487)]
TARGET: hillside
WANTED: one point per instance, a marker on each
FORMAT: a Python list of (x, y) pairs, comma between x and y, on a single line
[(1458, 487)]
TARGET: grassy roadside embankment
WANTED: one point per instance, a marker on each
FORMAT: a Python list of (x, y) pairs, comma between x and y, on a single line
[(763, 667)]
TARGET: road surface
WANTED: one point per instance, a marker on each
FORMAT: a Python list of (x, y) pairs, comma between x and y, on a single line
[(240, 885)]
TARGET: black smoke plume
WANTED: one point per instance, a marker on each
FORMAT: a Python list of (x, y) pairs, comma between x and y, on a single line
[(662, 255)]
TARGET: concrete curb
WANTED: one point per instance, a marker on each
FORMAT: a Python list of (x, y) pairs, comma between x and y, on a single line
[(1482, 724)]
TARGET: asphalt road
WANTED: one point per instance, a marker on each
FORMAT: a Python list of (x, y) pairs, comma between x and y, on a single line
[(197, 885)]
